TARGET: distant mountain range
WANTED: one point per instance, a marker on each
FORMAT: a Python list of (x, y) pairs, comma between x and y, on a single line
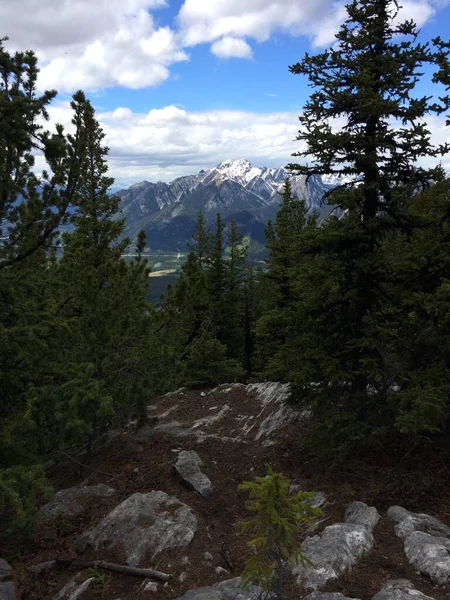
[(248, 195)]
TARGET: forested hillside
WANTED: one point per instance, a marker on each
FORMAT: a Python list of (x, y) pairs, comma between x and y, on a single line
[(352, 311)]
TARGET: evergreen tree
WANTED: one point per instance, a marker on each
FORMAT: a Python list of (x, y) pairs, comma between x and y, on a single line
[(31, 210), (279, 518), (368, 79), (103, 300), (285, 243)]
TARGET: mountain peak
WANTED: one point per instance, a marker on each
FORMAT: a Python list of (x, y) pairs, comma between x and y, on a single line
[(234, 163)]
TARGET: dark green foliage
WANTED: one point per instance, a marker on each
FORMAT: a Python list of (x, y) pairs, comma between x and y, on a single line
[(279, 517), (340, 308), (207, 308), (74, 330), (285, 243)]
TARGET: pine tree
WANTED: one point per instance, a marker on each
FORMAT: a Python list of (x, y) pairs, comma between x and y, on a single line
[(279, 518), (368, 79), (31, 210), (103, 298), (285, 243)]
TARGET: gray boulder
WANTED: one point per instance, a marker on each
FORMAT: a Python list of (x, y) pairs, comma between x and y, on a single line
[(338, 548), (408, 522), (231, 589), (426, 543), (142, 523), (400, 589), (328, 596), (72, 502), (359, 513), (7, 587), (187, 467)]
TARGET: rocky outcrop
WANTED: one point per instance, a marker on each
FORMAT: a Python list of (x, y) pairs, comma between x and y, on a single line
[(338, 548), (72, 502), (187, 467), (7, 587), (401, 589), (231, 589), (426, 543), (143, 523)]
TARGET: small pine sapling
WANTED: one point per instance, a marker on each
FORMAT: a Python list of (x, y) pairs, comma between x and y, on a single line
[(278, 518)]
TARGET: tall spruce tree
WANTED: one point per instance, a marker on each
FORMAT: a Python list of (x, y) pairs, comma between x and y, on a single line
[(366, 80), (285, 244), (32, 207), (103, 299)]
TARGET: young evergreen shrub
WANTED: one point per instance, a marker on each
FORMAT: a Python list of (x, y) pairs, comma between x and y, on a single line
[(278, 518), (19, 488)]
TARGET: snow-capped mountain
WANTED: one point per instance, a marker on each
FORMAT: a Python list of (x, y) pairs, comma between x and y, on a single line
[(239, 191)]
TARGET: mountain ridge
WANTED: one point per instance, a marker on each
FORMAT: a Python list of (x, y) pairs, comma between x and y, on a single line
[(234, 188)]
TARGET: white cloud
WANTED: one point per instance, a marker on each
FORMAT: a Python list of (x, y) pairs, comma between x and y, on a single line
[(257, 19), (93, 44), (231, 47), (169, 142), (207, 22), (105, 43)]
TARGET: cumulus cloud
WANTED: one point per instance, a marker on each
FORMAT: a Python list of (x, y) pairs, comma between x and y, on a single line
[(169, 142), (107, 43), (207, 22), (93, 44), (231, 47)]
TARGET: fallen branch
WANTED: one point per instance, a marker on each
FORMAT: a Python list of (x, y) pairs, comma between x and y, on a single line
[(108, 566)]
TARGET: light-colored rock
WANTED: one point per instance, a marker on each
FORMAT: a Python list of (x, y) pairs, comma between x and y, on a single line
[(274, 393), (400, 589), (408, 522), (187, 467), (430, 555), (426, 543), (74, 589), (211, 419), (72, 502), (182, 577), (208, 556), (142, 523), (149, 586), (7, 587), (359, 513), (328, 596), (221, 571), (230, 589), (338, 548)]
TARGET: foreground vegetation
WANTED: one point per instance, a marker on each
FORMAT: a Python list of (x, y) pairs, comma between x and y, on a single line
[(353, 313)]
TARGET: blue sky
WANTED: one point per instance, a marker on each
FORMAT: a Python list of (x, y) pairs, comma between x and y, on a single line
[(180, 85)]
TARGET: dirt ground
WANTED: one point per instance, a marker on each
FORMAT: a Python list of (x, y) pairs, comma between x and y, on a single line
[(414, 476)]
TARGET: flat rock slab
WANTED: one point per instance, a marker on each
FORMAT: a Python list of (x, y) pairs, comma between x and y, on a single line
[(338, 548), (187, 467), (7, 587), (72, 502), (143, 522), (231, 589), (400, 589), (426, 543)]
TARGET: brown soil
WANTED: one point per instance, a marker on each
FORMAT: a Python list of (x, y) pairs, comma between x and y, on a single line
[(416, 477)]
